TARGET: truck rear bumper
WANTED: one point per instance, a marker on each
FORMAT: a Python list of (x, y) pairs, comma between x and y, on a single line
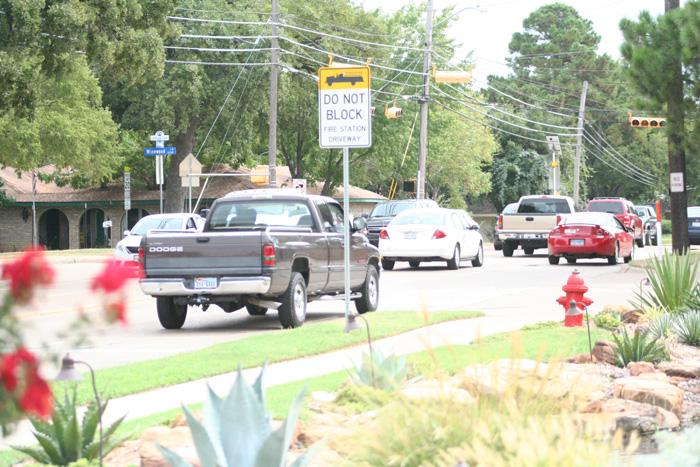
[(162, 287)]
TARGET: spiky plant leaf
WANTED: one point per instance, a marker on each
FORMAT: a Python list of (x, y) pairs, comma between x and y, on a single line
[(202, 441), (173, 458), (641, 347), (273, 452), (50, 448), (90, 423), (36, 454), (72, 442), (672, 281), (212, 421), (687, 328)]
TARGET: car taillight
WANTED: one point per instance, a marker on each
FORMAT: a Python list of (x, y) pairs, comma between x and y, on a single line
[(558, 219), (439, 234), (626, 220), (384, 235), (268, 254), (555, 232), (499, 224), (142, 253), (599, 232)]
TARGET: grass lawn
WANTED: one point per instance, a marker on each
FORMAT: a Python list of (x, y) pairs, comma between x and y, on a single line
[(253, 351)]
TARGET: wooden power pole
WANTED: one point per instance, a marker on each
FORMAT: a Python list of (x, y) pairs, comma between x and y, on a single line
[(274, 72)]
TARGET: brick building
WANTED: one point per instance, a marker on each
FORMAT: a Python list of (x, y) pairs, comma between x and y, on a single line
[(72, 218)]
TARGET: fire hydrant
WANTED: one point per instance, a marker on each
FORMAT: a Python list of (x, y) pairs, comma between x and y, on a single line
[(575, 289)]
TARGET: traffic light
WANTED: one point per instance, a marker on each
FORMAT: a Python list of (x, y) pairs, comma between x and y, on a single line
[(646, 122), (409, 186), (260, 175)]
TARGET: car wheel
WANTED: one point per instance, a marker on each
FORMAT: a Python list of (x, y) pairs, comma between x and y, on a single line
[(627, 259), (370, 292), (498, 246), (170, 315), (255, 310), (616, 253), (655, 241), (571, 260), (553, 259), (478, 261), (292, 311), (387, 264), (640, 242), (508, 250), (529, 251), (455, 262), (414, 264)]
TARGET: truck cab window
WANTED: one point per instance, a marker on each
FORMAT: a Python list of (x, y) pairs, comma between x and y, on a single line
[(331, 216)]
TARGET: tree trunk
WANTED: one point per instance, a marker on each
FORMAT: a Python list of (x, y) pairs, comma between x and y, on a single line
[(175, 193)]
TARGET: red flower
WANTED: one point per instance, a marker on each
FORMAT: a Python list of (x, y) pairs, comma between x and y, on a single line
[(22, 365), (37, 397), (116, 311), (114, 276), (8, 370), (25, 273)]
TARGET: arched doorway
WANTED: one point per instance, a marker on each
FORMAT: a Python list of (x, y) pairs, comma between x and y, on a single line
[(53, 230), (92, 235), (130, 219)]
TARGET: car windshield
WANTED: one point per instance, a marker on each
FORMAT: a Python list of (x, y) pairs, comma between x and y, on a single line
[(156, 223), (586, 218), (543, 206), (417, 217), (694, 211), (641, 212), (390, 209), (259, 213), (613, 207)]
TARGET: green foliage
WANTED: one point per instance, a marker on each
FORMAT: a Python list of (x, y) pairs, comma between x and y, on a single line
[(66, 438), (666, 226), (375, 370), (236, 430), (661, 325), (361, 398), (673, 283), (542, 325), (517, 172), (687, 327), (609, 320), (641, 347)]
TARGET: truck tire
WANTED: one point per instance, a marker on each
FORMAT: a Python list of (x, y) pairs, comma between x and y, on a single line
[(456, 259), (529, 250), (640, 242), (508, 250), (414, 264), (255, 310), (387, 264), (370, 292), (292, 311), (553, 260), (170, 315)]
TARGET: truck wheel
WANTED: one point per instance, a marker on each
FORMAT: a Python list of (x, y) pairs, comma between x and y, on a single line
[(478, 261), (529, 251), (456, 259), (370, 292), (255, 310), (292, 311), (640, 242), (387, 264), (170, 315), (508, 250), (414, 264)]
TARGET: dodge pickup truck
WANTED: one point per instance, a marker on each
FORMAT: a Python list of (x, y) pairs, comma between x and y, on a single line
[(259, 249), (530, 224)]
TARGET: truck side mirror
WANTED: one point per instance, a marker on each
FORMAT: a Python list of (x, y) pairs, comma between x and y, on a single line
[(359, 224), (204, 213)]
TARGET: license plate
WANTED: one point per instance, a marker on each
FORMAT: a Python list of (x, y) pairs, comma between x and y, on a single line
[(530, 236), (205, 282), (577, 242), (409, 235), (696, 224), (570, 231)]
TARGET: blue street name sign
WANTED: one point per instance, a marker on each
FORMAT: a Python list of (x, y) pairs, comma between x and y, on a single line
[(166, 151)]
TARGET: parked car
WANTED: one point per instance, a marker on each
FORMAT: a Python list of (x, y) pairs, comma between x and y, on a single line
[(694, 225), (625, 213), (431, 234), (529, 226), (128, 247), (590, 235), (509, 209), (384, 212), (648, 216), (260, 249)]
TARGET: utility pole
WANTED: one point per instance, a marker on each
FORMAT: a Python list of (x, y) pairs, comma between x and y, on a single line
[(272, 135), (676, 153), (423, 138), (579, 145)]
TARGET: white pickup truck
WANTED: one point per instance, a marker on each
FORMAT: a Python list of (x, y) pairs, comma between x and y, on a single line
[(530, 225)]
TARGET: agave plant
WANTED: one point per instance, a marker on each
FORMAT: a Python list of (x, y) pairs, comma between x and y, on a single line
[(641, 347), (673, 284), (236, 431), (687, 327), (385, 373), (66, 438), (661, 325)]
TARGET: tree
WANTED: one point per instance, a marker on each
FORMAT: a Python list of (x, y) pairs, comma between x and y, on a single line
[(516, 173)]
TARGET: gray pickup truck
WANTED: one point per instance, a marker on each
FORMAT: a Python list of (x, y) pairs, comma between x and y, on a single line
[(260, 249)]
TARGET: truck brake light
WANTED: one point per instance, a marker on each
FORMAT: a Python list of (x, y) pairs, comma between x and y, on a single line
[(439, 234), (384, 235), (268, 254), (499, 224)]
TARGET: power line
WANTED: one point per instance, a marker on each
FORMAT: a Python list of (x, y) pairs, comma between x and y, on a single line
[(621, 160), (335, 26), (191, 62), (597, 156), (219, 21), (202, 36), (604, 140), (630, 169), (213, 49)]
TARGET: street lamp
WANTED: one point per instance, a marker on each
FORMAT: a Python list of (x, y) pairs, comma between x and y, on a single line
[(350, 325), (69, 373)]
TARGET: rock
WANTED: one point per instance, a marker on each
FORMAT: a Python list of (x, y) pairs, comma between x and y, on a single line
[(435, 390), (685, 369), (655, 376), (630, 416), (649, 391), (631, 316), (177, 439), (676, 380), (604, 351), (580, 358), (637, 368)]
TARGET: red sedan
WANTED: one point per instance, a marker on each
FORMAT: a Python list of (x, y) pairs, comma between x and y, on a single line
[(590, 235)]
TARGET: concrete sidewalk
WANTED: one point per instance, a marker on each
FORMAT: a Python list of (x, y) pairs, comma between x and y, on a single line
[(163, 399)]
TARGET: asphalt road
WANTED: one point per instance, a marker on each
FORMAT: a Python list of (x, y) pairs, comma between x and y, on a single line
[(504, 287)]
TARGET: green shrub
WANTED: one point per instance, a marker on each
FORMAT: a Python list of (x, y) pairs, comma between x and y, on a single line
[(356, 398), (660, 326), (687, 327), (608, 320), (641, 347), (66, 439), (672, 281), (385, 373), (665, 226)]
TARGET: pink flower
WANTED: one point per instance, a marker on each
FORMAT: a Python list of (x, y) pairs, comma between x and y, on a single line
[(25, 273), (8, 368), (22, 365), (115, 275), (116, 311)]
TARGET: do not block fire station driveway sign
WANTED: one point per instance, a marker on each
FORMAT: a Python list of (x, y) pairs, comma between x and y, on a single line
[(344, 112)]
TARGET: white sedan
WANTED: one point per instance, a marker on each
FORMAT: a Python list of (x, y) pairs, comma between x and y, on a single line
[(128, 247), (432, 234)]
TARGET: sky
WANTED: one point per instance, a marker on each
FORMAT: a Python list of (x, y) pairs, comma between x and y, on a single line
[(486, 26)]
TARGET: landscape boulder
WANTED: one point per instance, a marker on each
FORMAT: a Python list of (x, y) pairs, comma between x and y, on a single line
[(604, 351), (684, 369), (637, 368), (630, 415), (650, 391)]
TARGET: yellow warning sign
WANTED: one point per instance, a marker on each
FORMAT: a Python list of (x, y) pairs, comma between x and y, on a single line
[(337, 78)]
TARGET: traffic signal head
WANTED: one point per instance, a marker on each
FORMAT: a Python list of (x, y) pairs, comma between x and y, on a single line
[(409, 186), (646, 122)]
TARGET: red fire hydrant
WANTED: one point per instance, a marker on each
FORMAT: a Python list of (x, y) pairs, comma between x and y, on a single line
[(575, 289)]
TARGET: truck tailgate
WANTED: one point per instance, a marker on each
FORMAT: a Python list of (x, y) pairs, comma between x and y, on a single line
[(203, 254), (529, 223)]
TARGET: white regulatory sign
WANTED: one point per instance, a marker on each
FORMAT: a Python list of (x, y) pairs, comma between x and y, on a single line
[(677, 184), (344, 111)]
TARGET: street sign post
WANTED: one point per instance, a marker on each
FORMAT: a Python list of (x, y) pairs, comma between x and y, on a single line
[(345, 121), (189, 165), (677, 185), (166, 151), (555, 149), (159, 151), (299, 184), (127, 190)]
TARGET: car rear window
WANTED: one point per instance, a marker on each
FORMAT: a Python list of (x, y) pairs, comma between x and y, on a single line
[(391, 209), (430, 218), (251, 214), (694, 211), (543, 206), (613, 207), (156, 223)]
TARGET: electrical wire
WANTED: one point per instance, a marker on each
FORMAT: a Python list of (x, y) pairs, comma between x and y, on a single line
[(618, 158), (219, 21), (631, 170), (597, 156), (202, 36), (191, 62), (607, 143), (314, 22), (212, 49)]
